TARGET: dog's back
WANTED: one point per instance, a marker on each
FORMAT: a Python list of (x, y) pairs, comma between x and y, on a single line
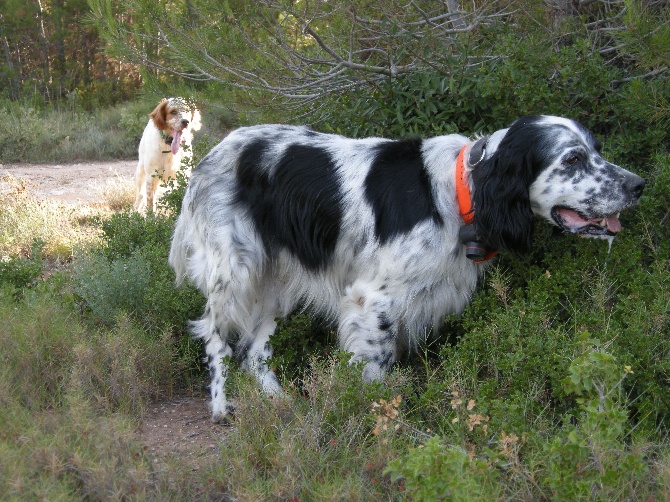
[(291, 206)]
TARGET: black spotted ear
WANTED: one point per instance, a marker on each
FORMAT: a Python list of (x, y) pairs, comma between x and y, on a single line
[(503, 216)]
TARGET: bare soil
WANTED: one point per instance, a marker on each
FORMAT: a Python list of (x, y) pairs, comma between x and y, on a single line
[(71, 183), (181, 426), (178, 426)]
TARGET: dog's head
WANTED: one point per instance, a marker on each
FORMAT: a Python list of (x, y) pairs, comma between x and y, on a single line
[(549, 167), (172, 116)]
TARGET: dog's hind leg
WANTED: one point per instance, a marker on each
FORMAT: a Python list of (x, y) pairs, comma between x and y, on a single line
[(256, 352), (218, 352), (367, 329), (254, 349), (140, 187)]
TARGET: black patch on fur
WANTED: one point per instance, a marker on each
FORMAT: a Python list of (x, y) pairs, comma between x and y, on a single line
[(501, 200), (299, 206), (383, 358), (384, 322), (398, 189)]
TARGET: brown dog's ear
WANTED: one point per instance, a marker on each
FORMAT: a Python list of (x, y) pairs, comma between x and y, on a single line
[(158, 115)]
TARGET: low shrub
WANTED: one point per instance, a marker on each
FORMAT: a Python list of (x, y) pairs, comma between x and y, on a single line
[(315, 440), (589, 451), (22, 272), (123, 368), (54, 355), (128, 273), (137, 281)]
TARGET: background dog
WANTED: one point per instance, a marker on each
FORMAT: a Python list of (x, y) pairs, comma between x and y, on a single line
[(166, 140), (377, 235)]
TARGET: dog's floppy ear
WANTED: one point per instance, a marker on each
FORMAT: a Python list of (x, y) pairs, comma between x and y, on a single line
[(501, 200), (158, 115)]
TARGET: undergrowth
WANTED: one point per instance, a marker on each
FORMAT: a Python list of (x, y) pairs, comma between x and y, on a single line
[(26, 222), (551, 386)]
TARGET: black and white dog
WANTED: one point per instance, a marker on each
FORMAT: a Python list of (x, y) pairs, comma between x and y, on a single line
[(376, 234)]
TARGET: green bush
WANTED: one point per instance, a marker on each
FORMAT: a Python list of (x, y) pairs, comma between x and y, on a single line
[(296, 339), (125, 233), (532, 77), (128, 274), (589, 451), (437, 471), (22, 272), (137, 281)]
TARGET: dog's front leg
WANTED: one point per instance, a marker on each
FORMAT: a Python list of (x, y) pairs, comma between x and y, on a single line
[(367, 329)]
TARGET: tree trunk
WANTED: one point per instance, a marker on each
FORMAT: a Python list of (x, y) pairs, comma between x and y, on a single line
[(44, 48), (13, 77)]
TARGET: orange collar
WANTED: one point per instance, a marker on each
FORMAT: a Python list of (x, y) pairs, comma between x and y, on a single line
[(465, 206), (463, 189)]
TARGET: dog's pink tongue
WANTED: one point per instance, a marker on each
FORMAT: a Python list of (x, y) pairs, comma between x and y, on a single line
[(176, 140), (613, 224)]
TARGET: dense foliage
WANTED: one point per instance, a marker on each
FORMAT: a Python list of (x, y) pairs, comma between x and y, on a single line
[(50, 52), (553, 385)]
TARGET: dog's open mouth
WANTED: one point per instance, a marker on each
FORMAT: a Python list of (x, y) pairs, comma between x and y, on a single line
[(573, 222)]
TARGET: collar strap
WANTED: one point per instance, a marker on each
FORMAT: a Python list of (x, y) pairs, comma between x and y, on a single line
[(463, 189), (168, 140), (473, 249)]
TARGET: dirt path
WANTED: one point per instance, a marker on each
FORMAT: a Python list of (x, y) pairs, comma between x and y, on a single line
[(72, 183), (177, 426), (181, 426)]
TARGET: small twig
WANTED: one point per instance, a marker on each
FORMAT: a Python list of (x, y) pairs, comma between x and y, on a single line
[(650, 74)]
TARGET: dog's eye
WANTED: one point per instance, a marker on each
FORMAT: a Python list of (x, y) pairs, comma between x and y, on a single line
[(572, 159)]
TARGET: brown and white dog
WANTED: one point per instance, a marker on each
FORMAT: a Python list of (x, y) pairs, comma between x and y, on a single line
[(165, 142)]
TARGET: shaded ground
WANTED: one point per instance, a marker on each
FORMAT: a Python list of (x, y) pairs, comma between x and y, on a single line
[(181, 426), (177, 426)]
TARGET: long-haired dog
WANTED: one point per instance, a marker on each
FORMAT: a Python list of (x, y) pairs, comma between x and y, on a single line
[(166, 140), (378, 235)]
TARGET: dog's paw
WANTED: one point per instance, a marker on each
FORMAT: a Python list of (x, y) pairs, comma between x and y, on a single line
[(225, 415)]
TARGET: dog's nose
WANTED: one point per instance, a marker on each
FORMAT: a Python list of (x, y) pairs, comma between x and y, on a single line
[(635, 186), (184, 122)]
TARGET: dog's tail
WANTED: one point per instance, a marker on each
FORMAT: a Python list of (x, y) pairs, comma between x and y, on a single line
[(179, 250)]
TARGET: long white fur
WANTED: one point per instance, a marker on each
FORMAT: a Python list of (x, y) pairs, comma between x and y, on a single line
[(412, 281)]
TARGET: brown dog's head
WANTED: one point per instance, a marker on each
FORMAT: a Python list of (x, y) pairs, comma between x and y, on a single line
[(172, 116)]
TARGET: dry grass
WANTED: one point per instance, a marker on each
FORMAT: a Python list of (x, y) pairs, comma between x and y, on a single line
[(24, 220), (118, 193), (70, 398)]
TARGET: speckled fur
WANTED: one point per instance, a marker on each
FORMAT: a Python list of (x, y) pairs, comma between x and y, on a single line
[(365, 232)]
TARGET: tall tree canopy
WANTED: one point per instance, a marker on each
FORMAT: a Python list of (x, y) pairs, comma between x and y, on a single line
[(49, 50), (303, 50)]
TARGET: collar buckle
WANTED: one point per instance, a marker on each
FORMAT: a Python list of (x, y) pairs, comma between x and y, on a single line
[(475, 250)]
